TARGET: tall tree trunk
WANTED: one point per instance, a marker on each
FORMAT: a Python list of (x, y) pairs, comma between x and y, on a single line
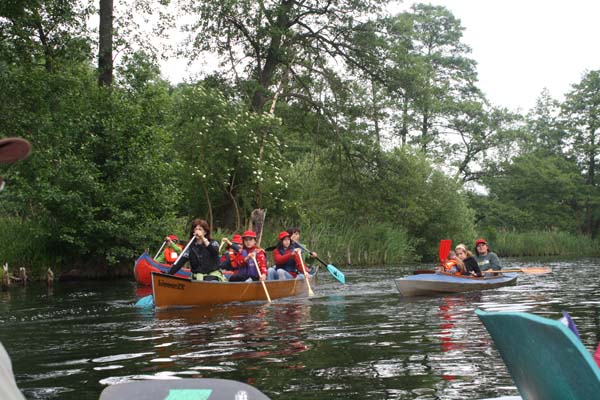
[(105, 44)]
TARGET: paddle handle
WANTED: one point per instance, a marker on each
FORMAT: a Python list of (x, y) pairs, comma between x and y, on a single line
[(308, 251)]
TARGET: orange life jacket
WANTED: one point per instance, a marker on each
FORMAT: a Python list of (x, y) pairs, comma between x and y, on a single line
[(448, 265), (171, 255)]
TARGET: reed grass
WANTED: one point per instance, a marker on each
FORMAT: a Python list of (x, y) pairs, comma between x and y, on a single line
[(21, 248), (543, 243)]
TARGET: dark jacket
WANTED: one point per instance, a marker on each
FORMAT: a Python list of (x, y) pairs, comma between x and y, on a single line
[(285, 259), (203, 259), (472, 266)]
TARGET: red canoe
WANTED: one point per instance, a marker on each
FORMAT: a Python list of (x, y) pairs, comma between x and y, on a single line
[(145, 264)]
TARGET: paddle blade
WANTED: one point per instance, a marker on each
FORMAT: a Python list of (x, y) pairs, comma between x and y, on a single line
[(536, 270), (337, 274), (145, 302), (445, 246), (530, 270)]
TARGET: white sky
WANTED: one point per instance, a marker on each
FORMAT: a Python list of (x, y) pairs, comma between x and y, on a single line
[(521, 46), (524, 46)]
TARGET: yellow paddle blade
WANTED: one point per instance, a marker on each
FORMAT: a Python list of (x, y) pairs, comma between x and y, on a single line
[(531, 270)]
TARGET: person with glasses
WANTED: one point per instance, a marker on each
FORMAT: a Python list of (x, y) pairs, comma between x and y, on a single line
[(202, 254), (487, 260), (248, 259)]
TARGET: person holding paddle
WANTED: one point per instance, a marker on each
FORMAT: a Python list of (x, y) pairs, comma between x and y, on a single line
[(250, 260), (487, 260), (203, 254), (295, 238), (171, 252), (287, 259)]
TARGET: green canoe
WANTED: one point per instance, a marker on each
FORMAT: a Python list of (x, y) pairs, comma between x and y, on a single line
[(544, 357)]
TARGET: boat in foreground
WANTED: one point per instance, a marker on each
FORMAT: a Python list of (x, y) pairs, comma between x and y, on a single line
[(440, 283), (172, 291), (187, 388), (544, 357), (145, 265)]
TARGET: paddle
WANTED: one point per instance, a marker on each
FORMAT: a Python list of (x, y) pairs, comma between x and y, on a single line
[(529, 270), (306, 276), (337, 274), (443, 252), (159, 250), (148, 301), (253, 256)]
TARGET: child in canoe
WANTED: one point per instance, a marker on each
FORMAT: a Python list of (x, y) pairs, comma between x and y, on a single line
[(466, 261)]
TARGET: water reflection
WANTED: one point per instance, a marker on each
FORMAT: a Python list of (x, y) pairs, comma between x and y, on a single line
[(358, 341)]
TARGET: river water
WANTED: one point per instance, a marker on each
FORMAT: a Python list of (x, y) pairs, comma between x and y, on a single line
[(355, 341)]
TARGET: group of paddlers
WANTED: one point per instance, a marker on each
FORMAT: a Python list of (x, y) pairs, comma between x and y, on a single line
[(243, 260), (462, 262)]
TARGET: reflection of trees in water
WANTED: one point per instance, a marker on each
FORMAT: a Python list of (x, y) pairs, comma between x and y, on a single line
[(226, 333)]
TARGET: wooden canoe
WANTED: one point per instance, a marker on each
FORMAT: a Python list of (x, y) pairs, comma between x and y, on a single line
[(544, 357), (440, 283), (145, 265), (173, 291)]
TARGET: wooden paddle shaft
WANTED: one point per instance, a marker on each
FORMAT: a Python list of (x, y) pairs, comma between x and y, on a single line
[(306, 276), (253, 256)]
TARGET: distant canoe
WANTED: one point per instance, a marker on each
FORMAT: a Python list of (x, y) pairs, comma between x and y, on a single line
[(440, 283), (145, 265), (172, 291), (544, 357)]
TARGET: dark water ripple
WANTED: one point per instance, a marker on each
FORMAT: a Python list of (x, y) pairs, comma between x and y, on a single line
[(358, 341)]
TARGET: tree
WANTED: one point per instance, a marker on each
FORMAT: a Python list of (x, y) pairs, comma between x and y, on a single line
[(105, 44), (44, 32), (581, 116)]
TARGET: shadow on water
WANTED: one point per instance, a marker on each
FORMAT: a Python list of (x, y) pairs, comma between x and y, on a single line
[(357, 341)]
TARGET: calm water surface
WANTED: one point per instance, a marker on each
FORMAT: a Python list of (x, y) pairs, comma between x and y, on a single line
[(358, 341)]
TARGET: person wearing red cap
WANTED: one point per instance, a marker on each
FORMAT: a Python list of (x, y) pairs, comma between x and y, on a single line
[(247, 259), (233, 247), (202, 254), (287, 259), (171, 252), (487, 260)]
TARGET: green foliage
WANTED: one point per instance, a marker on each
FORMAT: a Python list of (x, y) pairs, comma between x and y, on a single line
[(543, 243), (535, 191), (97, 183), (403, 190), (232, 158)]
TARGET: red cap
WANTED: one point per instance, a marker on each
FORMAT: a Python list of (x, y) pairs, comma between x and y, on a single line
[(478, 241), (173, 237), (237, 239), (283, 235), (251, 234)]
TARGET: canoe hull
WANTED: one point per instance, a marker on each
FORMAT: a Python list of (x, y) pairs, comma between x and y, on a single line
[(145, 265), (435, 284), (544, 357), (172, 291)]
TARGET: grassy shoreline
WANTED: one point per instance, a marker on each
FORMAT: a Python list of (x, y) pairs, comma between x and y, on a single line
[(341, 245)]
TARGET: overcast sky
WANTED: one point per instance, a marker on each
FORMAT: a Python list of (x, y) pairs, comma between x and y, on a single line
[(522, 46)]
